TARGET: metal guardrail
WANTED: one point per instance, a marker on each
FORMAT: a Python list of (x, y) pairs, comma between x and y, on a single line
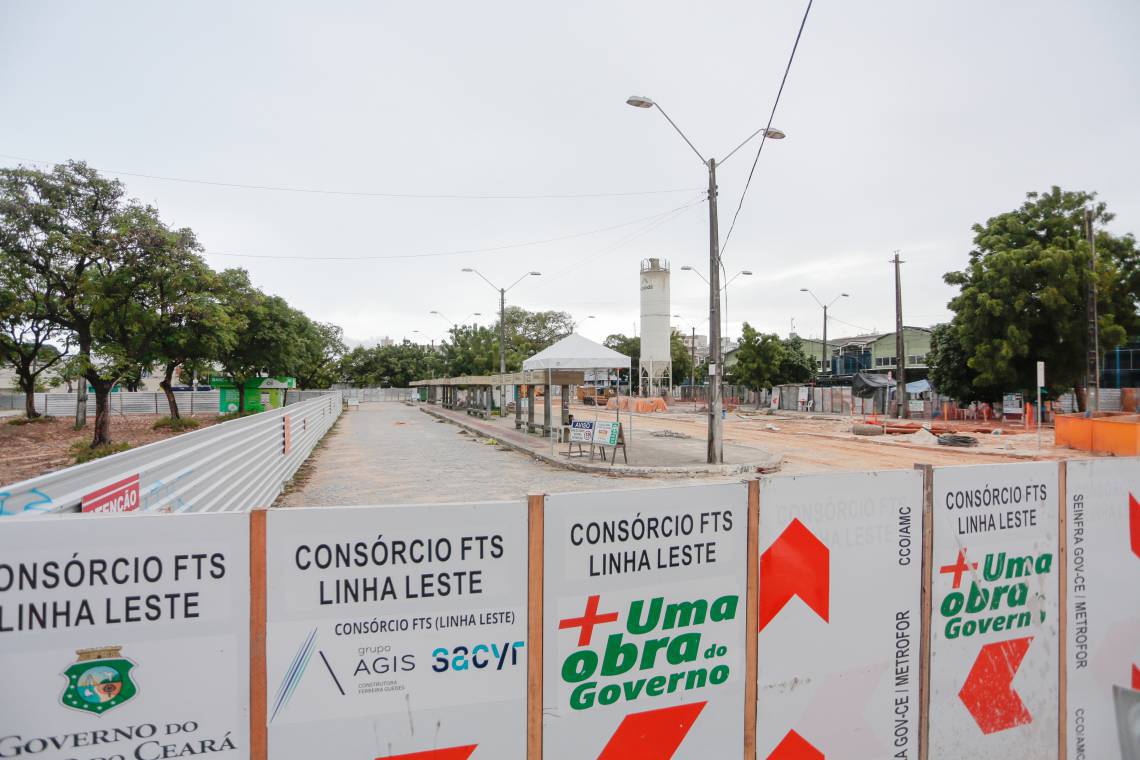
[(229, 467), (138, 402)]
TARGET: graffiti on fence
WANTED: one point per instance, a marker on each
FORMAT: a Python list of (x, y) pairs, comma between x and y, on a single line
[(33, 500)]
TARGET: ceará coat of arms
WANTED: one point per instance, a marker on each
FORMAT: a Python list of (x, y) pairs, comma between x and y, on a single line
[(98, 681)]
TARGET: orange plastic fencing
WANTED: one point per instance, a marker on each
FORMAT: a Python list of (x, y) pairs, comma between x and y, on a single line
[(1114, 434)]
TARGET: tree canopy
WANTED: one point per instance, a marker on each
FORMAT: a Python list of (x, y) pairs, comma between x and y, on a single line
[(763, 360), (1023, 296)]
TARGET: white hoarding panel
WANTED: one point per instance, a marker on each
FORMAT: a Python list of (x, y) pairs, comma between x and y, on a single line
[(393, 631), (125, 636), (1104, 600), (840, 616), (644, 621), (995, 621)]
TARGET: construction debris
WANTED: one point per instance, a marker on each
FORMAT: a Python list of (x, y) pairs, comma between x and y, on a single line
[(950, 439)]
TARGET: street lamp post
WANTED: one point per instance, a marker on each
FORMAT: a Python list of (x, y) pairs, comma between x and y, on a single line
[(502, 330), (824, 367), (715, 437)]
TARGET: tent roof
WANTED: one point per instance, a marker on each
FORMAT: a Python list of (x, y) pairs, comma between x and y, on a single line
[(577, 353)]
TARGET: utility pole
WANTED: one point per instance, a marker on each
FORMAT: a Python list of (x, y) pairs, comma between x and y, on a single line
[(693, 363), (502, 351), (716, 438), (1092, 384), (823, 368), (900, 344)]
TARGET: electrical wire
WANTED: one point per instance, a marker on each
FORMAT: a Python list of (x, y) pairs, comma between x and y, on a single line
[(764, 134), (459, 252), (662, 219), (371, 194)]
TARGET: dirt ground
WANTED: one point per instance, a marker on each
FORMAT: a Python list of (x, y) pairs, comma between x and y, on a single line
[(811, 443), (42, 447)]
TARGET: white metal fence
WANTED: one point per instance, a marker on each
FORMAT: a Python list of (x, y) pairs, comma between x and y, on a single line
[(380, 394), (141, 402), (227, 467)]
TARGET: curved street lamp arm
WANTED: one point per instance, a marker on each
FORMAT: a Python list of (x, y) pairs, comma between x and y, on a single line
[(682, 134)]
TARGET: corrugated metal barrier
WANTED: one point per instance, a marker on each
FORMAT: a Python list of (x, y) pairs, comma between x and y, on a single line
[(141, 402), (228, 467)]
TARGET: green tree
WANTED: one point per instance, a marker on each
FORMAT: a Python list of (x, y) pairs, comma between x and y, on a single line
[(192, 325), (1023, 294), (472, 350), (682, 359), (795, 364), (63, 226), (950, 373), (268, 341), (321, 349), (758, 359), (631, 347), (28, 335)]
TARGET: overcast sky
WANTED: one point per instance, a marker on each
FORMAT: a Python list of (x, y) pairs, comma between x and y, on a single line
[(907, 122)]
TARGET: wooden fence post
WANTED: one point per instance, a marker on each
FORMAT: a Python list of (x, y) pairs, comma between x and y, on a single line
[(258, 738), (535, 505), (752, 616), (927, 559)]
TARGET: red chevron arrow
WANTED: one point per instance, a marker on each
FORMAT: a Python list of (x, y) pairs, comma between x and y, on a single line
[(653, 734), (450, 753), (988, 692), (795, 747), (796, 564), (1134, 523), (1136, 678)]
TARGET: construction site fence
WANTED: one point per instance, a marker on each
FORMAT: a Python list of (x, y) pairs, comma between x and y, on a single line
[(124, 402), (940, 612), (380, 394), (231, 466)]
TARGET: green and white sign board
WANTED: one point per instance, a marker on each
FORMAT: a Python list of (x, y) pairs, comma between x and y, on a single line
[(125, 636)]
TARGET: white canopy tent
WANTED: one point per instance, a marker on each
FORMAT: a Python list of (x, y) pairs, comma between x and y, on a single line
[(576, 353)]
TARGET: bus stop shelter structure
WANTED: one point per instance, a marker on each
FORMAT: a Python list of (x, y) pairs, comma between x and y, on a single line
[(563, 364)]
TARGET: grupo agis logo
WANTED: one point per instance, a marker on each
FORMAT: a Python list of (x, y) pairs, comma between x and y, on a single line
[(98, 681), (998, 596), (655, 651)]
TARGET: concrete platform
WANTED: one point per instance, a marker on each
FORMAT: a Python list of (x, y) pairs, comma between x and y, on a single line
[(649, 455)]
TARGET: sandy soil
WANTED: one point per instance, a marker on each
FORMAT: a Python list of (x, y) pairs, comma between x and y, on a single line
[(42, 447), (812, 444)]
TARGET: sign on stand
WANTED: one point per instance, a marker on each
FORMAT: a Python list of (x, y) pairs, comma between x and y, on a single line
[(840, 615), (1103, 649), (644, 623), (397, 630), (995, 620), (125, 636)]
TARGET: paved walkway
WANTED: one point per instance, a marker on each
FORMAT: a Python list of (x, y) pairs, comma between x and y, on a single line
[(668, 452), (390, 453)]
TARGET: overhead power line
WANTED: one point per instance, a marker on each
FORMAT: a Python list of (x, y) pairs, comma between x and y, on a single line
[(764, 134), (374, 194), (458, 252)]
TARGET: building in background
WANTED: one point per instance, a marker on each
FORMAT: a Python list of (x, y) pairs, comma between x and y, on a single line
[(870, 352)]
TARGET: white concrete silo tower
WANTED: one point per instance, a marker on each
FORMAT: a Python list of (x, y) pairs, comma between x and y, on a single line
[(656, 364)]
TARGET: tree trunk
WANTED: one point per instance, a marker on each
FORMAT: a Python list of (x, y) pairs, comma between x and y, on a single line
[(27, 382), (168, 390), (102, 409), (241, 398), (81, 386), (30, 404)]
